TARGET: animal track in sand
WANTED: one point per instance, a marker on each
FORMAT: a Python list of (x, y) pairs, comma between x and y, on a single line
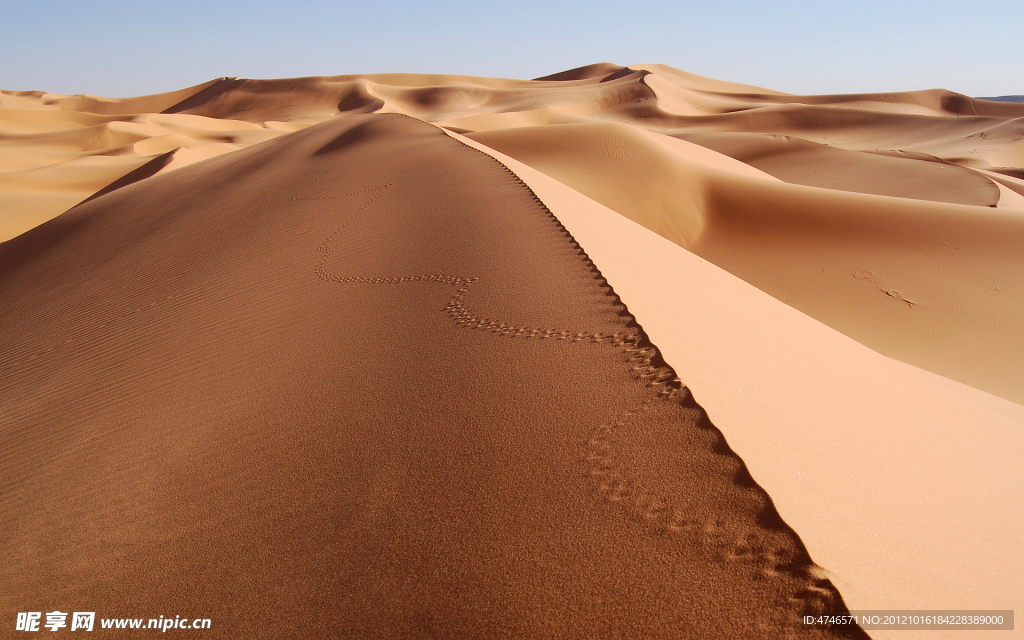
[(892, 293), (639, 356), (615, 484), (768, 550), (864, 274)]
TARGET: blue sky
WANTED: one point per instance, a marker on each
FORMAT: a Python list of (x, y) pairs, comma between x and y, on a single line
[(120, 48)]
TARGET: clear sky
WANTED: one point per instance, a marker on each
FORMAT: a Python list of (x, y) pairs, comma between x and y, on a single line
[(119, 48)]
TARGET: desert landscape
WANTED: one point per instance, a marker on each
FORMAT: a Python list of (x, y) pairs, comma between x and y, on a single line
[(618, 352)]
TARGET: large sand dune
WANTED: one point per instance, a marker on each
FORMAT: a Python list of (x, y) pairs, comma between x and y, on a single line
[(297, 356), (363, 372)]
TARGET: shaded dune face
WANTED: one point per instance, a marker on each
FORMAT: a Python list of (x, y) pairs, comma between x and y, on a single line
[(798, 161), (359, 382)]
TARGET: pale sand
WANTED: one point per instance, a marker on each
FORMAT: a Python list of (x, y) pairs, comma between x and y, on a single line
[(933, 284), (905, 485), (55, 151)]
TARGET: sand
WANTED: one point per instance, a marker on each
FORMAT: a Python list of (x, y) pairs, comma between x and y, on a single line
[(942, 297), (904, 484), (361, 379), (300, 354), (933, 284)]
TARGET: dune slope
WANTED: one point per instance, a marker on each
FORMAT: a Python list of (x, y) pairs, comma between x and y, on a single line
[(904, 484), (934, 284), (361, 381)]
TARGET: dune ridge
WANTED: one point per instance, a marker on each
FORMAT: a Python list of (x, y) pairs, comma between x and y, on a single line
[(854, 448), (269, 441)]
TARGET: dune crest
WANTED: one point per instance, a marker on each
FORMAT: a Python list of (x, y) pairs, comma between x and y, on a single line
[(856, 449), (420, 411)]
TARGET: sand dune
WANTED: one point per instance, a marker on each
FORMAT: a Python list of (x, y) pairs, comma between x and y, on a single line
[(362, 376), (904, 484), (293, 327), (934, 285), (799, 161), (56, 151)]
